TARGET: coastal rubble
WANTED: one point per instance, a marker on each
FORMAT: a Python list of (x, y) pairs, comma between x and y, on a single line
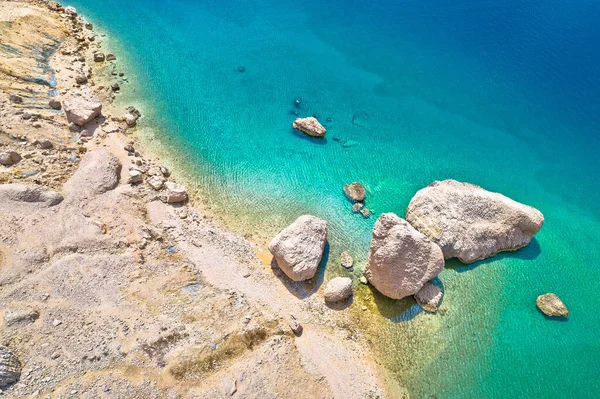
[(401, 259), (298, 249), (470, 223)]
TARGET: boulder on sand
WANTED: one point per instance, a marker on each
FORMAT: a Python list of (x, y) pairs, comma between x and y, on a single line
[(98, 172), (9, 158), (298, 249), (401, 259), (175, 193), (551, 305), (310, 126), (10, 367), (355, 192), (429, 297), (28, 194), (470, 223), (81, 111), (338, 289)]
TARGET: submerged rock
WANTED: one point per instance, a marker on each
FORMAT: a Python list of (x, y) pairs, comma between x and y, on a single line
[(551, 305), (310, 126), (99, 57), (110, 57), (10, 367), (81, 111), (355, 192), (298, 249), (470, 223), (29, 194), (366, 213), (356, 208), (401, 259), (429, 297), (338, 289), (346, 260)]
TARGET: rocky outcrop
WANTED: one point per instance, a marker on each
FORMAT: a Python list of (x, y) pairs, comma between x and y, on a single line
[(551, 305), (10, 367), (81, 111), (470, 223), (175, 193), (98, 172), (429, 297), (355, 192), (310, 126), (401, 259), (298, 249), (338, 289), (31, 194), (9, 158)]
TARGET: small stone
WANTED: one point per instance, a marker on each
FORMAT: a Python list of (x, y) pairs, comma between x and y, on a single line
[(129, 148), (346, 260), (156, 182), (165, 172), (43, 144), (10, 367), (9, 158), (81, 79), (71, 11), (135, 177), (110, 57), (310, 126), (56, 323), (175, 193), (295, 326), (115, 87), (338, 289), (14, 98), (14, 317), (130, 120), (99, 57), (551, 305), (89, 26), (54, 104), (363, 280)]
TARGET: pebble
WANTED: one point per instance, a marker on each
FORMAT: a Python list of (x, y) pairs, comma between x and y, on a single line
[(56, 323)]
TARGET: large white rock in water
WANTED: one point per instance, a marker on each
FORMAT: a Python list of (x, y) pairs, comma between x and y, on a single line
[(81, 111), (310, 126), (298, 249), (551, 305), (401, 260), (98, 172), (429, 297), (470, 223), (338, 289)]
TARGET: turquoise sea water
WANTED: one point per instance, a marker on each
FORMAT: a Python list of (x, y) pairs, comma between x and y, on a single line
[(505, 95)]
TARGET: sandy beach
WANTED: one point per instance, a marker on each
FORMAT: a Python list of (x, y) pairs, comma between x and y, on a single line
[(110, 284)]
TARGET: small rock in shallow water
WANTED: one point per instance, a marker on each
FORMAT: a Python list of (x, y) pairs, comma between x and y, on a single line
[(357, 207), (366, 213), (551, 305), (175, 193), (310, 126), (110, 57), (241, 69), (346, 260), (115, 87), (99, 57), (355, 192), (297, 102)]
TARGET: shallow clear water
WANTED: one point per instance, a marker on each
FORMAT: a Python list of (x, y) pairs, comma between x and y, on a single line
[(504, 95)]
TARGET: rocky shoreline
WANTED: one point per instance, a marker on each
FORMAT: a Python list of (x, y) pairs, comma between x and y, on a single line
[(111, 284)]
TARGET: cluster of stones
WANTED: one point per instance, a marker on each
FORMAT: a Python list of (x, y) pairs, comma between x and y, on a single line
[(447, 219)]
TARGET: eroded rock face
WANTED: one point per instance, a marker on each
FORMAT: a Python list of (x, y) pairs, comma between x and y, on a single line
[(470, 223), (429, 297), (298, 249), (551, 305), (310, 126), (355, 192), (10, 367), (338, 289), (81, 111), (98, 172), (401, 259), (27, 193)]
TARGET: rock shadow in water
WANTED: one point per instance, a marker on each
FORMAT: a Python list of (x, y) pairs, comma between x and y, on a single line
[(396, 310), (303, 289), (304, 136)]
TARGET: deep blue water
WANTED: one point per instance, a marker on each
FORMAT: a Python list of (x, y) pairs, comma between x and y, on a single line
[(505, 95)]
